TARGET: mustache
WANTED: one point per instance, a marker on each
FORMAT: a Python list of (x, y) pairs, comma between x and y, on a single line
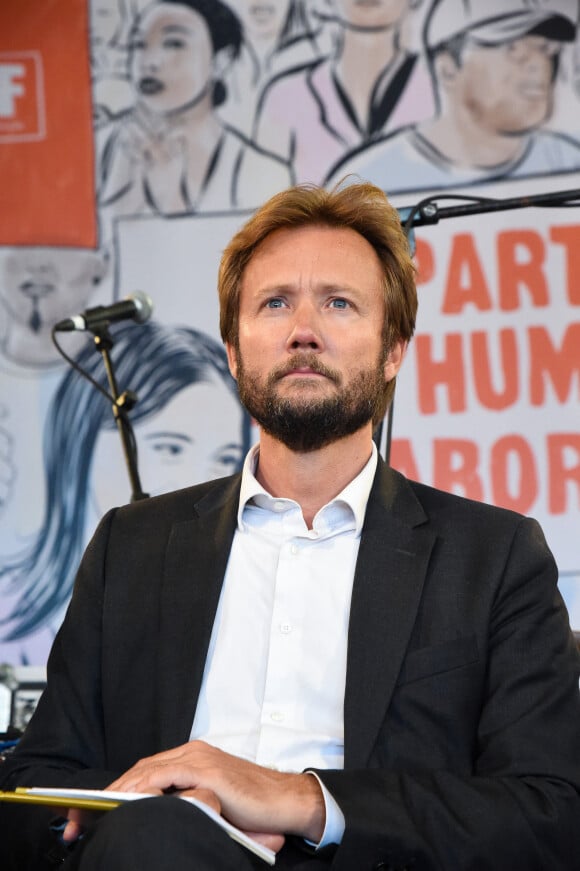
[(304, 361)]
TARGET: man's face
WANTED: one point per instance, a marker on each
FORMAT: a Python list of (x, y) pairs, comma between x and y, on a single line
[(507, 88), (171, 57), (310, 362)]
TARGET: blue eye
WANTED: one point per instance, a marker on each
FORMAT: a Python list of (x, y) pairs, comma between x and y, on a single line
[(276, 302), (339, 303)]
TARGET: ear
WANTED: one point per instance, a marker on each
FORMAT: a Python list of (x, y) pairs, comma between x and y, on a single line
[(232, 359), (395, 359), (446, 70)]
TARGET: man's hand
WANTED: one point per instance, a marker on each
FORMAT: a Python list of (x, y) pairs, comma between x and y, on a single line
[(78, 820), (253, 798)]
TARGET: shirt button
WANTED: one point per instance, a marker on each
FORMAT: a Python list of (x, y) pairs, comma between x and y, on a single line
[(285, 628), (279, 506), (277, 716), (293, 549)]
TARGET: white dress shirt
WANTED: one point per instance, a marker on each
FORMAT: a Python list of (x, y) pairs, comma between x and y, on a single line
[(273, 685)]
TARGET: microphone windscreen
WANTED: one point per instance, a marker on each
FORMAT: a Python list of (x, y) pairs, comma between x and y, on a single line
[(143, 306)]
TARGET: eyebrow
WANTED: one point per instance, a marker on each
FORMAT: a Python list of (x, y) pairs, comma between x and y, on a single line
[(329, 287), (176, 28), (169, 434)]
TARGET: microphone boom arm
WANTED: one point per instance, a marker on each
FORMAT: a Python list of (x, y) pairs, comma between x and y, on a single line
[(426, 212), (121, 404)]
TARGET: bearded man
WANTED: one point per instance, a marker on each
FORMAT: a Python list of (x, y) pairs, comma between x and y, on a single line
[(358, 671)]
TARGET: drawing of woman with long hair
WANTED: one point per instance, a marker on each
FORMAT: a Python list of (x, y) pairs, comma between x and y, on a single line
[(189, 427)]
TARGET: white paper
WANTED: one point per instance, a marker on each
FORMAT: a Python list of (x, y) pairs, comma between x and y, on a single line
[(107, 795)]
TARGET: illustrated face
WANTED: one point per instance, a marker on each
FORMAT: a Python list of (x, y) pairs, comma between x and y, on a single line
[(41, 286), (371, 13), (311, 319), (171, 58), (106, 21), (508, 88), (195, 437), (261, 19)]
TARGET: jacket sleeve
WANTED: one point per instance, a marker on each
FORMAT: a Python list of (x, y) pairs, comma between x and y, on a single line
[(518, 805), (64, 743)]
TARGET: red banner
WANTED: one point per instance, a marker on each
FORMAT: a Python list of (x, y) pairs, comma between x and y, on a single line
[(47, 194)]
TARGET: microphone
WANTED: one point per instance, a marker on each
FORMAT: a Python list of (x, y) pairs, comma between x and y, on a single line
[(137, 306)]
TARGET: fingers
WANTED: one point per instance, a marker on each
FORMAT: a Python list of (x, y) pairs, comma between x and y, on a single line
[(250, 796), (156, 778), (171, 769), (71, 833), (77, 820)]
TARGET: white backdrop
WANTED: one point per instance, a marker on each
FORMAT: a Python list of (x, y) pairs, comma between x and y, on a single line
[(488, 401)]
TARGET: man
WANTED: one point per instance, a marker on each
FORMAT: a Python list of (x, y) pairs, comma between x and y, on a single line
[(494, 65), (363, 672)]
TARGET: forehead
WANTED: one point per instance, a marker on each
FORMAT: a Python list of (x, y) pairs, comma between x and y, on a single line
[(332, 254), (171, 16), (210, 397), (64, 261)]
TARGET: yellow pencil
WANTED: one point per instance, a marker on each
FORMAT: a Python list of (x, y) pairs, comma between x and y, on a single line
[(94, 804)]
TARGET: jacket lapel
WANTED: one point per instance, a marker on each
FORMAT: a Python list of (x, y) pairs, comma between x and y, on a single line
[(393, 557), (197, 556)]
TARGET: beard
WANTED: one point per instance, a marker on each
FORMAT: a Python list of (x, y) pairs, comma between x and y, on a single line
[(305, 422)]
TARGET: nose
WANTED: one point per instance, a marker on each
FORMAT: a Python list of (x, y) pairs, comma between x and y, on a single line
[(150, 60), (306, 333)]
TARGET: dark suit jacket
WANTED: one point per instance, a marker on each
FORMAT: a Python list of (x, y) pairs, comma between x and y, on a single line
[(461, 711)]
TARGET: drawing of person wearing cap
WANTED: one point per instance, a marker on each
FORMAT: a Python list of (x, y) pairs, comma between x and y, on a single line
[(370, 84), (494, 67)]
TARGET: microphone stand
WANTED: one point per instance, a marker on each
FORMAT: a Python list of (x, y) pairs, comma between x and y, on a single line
[(426, 212), (122, 403)]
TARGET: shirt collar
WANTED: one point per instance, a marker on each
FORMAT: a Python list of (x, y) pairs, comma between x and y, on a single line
[(355, 495)]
